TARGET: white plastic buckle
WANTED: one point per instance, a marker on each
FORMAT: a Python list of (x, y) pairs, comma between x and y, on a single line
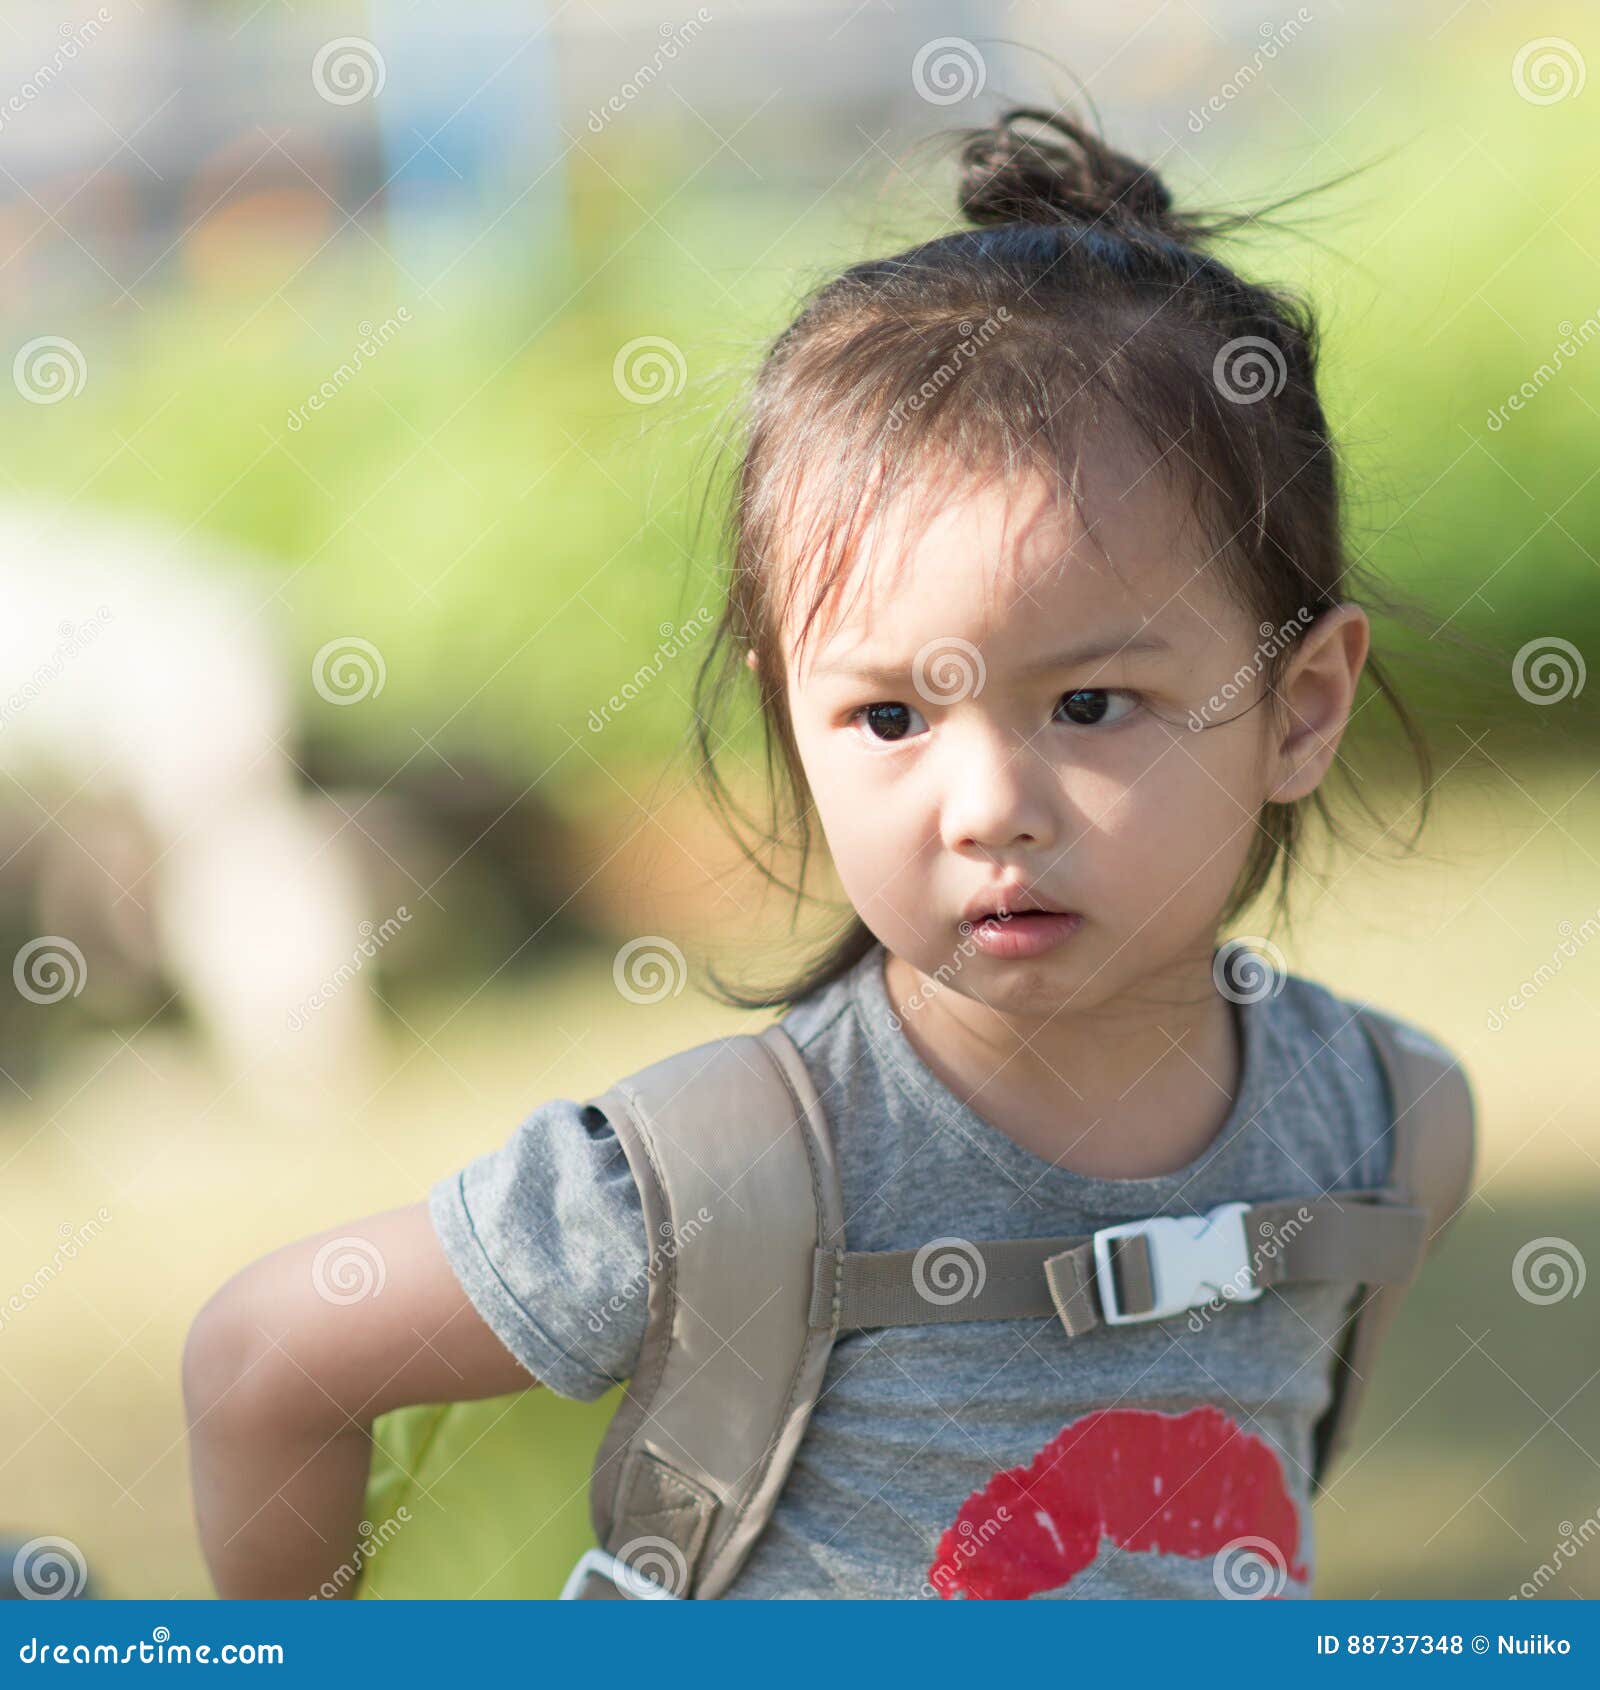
[(1193, 1258), (600, 1563)]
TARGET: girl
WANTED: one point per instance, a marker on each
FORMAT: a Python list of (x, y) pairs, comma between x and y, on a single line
[(1038, 568)]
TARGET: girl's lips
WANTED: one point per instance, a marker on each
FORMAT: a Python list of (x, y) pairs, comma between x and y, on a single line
[(1028, 933)]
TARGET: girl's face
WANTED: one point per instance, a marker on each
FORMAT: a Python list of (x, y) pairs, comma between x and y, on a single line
[(991, 704)]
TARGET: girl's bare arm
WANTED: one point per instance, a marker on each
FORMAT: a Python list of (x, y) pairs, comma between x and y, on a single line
[(285, 1369)]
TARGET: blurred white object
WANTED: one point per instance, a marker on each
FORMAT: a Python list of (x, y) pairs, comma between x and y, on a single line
[(146, 722)]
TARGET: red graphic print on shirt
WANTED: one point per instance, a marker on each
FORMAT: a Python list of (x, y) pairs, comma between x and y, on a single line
[(1191, 1484)]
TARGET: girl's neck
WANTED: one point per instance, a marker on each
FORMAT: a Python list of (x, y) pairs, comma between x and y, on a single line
[(1123, 1091)]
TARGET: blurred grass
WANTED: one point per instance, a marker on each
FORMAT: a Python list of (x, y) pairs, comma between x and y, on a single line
[(1463, 1483), (1475, 1461)]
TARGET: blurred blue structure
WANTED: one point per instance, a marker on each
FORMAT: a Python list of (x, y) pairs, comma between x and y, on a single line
[(470, 130)]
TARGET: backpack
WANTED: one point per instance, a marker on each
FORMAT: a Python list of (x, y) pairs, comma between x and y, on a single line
[(745, 1307)]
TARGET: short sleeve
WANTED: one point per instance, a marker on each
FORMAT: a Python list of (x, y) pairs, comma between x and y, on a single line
[(547, 1237)]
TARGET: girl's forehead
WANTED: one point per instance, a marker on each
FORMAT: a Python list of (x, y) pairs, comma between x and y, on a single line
[(1009, 564)]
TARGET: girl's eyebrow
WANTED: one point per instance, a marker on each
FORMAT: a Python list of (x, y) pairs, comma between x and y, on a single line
[(1112, 645)]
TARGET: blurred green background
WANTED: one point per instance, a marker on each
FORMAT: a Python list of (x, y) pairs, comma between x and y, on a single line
[(487, 507)]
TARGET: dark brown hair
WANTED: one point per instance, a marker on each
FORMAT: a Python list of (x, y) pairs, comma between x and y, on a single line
[(1078, 300)]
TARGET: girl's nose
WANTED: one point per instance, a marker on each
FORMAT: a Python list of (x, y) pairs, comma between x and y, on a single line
[(998, 796)]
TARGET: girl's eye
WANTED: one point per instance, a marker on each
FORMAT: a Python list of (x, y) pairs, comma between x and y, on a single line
[(1090, 707), (886, 723)]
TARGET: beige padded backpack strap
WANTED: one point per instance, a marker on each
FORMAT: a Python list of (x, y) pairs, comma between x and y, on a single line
[(1433, 1151), (734, 1163)]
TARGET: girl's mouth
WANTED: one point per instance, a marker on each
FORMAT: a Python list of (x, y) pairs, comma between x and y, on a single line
[(1027, 933)]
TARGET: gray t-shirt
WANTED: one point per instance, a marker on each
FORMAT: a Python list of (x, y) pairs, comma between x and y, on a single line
[(988, 1457)]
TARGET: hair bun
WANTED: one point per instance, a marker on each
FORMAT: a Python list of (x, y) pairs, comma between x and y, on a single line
[(1065, 172)]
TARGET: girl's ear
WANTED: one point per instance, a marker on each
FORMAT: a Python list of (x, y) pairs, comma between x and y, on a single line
[(1316, 695), (750, 657)]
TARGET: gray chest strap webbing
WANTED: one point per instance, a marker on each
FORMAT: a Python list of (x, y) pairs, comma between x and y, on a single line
[(1140, 1271), (1433, 1154)]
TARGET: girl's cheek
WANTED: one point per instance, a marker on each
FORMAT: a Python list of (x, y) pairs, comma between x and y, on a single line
[(1165, 822), (1107, 801)]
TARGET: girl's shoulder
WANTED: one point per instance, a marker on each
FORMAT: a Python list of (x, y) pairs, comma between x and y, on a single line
[(1329, 1018), (1328, 1060)]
